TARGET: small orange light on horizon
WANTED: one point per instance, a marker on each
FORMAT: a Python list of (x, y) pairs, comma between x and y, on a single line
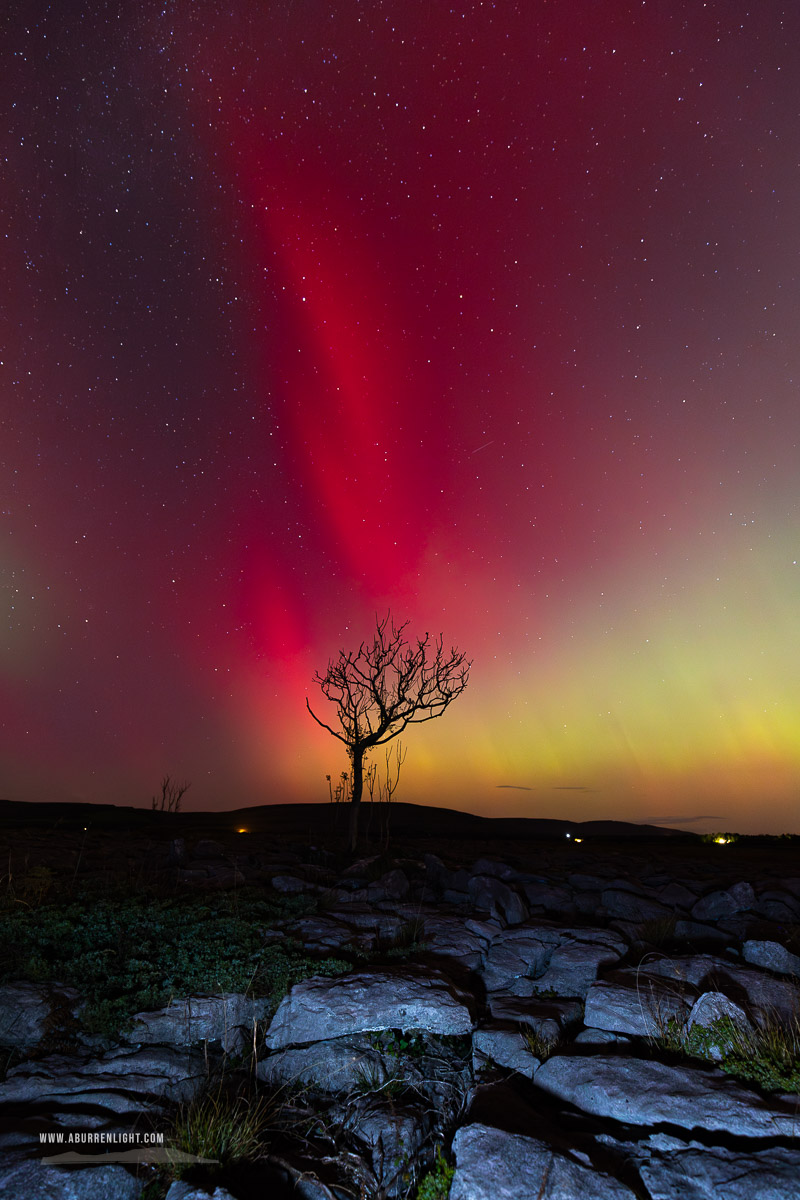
[(721, 841), (577, 839), (241, 831)]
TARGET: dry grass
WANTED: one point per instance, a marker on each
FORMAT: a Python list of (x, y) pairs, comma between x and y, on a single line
[(224, 1127), (766, 1054)]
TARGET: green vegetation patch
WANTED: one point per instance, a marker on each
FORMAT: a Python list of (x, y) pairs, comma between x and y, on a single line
[(767, 1055), (436, 1184), (125, 956)]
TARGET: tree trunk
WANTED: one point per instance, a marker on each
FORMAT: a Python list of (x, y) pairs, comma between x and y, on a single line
[(355, 800)]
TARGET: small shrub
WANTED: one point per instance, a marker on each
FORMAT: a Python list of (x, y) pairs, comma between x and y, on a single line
[(436, 1184)]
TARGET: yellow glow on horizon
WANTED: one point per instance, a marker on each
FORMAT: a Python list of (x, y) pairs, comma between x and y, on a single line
[(669, 689)]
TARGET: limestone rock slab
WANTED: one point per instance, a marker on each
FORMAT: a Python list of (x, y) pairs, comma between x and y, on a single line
[(121, 1081), (576, 961), (644, 1092), (628, 906), (489, 894), (26, 1010), (506, 1048), (515, 953), (34, 1180), (321, 1008), (494, 1165), (228, 1019), (772, 956), (334, 1066), (448, 937), (632, 1003), (718, 1174)]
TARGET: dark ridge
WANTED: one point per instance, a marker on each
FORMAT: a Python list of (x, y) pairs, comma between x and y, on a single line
[(408, 820)]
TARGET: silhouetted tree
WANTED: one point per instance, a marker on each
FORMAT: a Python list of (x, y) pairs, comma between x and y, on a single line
[(171, 796), (383, 687)]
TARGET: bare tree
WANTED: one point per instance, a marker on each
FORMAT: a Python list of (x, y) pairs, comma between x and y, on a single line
[(171, 796), (382, 688)]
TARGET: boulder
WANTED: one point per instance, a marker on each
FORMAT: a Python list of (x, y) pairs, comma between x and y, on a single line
[(392, 1135), (586, 882), (292, 885), (494, 1165), (772, 956), (677, 895), (27, 1011), (713, 906), (710, 1008), (713, 1173), (700, 934), (321, 934), (448, 937), (437, 875), (598, 1037), (489, 894), (187, 1191), (632, 1002), (561, 960), (629, 906), (766, 997), (32, 1179), (208, 850), (393, 885), (743, 894), (320, 1008), (756, 990), (228, 1019), (549, 896), (491, 866), (727, 903), (547, 1016), (504, 1047), (334, 1066), (777, 906), (644, 1092), (578, 957), (589, 904), (521, 952)]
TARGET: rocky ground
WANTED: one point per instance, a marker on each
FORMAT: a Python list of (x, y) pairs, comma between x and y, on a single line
[(561, 1019)]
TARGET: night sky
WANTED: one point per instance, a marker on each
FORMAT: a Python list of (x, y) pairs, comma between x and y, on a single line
[(485, 313)]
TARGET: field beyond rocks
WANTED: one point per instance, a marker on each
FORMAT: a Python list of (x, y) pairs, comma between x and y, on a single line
[(227, 1005)]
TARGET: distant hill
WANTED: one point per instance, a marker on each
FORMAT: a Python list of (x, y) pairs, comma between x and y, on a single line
[(317, 820)]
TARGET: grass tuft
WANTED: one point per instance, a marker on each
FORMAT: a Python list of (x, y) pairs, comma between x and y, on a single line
[(540, 1044), (767, 1055), (226, 1128)]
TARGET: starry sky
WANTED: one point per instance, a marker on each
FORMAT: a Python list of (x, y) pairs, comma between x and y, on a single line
[(482, 312)]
